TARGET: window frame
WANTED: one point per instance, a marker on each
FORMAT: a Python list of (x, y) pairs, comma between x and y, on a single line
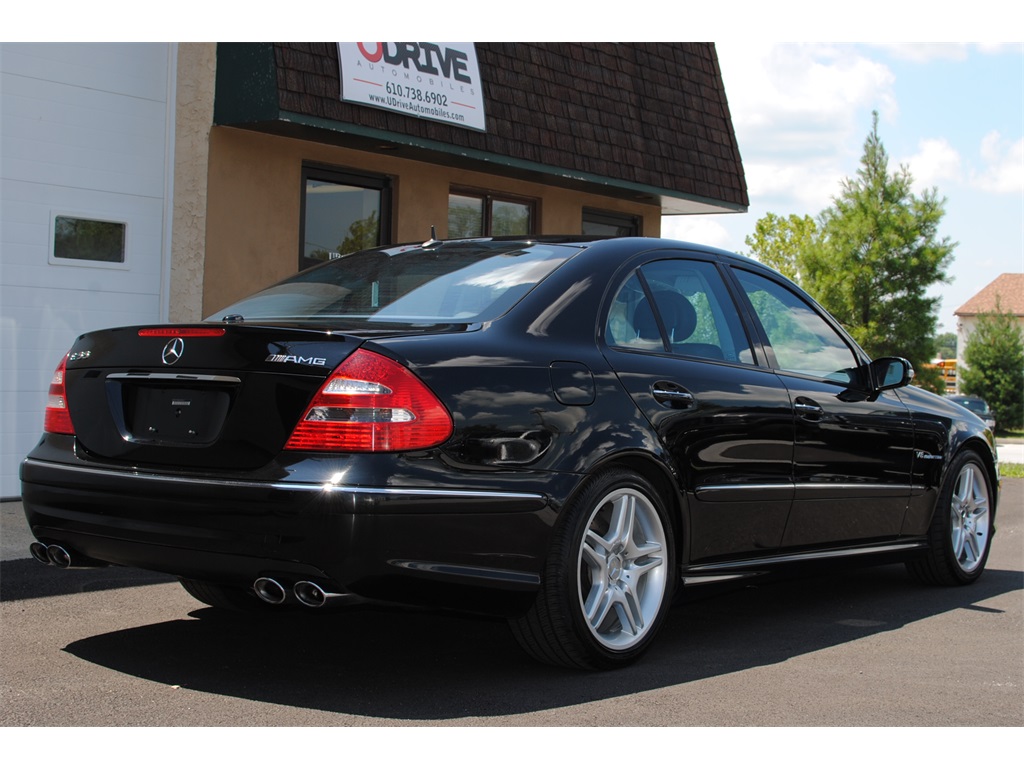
[(734, 330), (332, 174), (54, 259), (614, 219), (488, 199)]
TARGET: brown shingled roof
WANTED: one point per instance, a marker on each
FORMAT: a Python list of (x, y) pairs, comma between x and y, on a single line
[(652, 115), (1008, 288)]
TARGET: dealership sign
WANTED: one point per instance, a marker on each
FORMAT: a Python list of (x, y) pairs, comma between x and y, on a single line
[(435, 81)]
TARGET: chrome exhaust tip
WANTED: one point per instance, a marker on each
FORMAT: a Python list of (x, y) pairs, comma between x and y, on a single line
[(58, 556), (312, 595), (38, 551), (269, 590)]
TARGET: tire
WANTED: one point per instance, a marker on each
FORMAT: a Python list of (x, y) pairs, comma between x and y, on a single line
[(960, 534), (609, 578), (225, 598)]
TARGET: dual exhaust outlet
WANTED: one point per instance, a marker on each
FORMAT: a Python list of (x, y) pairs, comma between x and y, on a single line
[(306, 592), (268, 590), (54, 554)]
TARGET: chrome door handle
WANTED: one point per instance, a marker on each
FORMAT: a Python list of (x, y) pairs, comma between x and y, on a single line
[(672, 395), (808, 409)]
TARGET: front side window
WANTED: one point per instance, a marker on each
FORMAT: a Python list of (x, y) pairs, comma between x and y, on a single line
[(803, 342), (341, 213), (484, 215)]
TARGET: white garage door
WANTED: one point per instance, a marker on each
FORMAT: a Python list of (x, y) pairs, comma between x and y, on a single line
[(85, 156)]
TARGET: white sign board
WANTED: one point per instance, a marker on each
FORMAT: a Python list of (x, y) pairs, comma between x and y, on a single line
[(435, 81)]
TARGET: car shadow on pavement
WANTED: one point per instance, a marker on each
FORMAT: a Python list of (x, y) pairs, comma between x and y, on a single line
[(26, 579), (426, 666)]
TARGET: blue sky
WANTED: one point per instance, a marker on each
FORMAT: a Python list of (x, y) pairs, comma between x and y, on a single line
[(952, 113)]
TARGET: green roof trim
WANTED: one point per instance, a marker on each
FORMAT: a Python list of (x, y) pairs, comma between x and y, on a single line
[(512, 163)]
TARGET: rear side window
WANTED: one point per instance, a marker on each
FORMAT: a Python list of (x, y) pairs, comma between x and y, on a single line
[(680, 307), (454, 282)]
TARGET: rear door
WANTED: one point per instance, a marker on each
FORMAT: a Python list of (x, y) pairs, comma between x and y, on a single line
[(675, 339), (854, 448)]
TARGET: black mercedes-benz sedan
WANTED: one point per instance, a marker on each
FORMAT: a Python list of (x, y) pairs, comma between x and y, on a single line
[(558, 431)]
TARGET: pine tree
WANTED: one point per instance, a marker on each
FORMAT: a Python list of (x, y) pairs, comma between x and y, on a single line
[(876, 254)]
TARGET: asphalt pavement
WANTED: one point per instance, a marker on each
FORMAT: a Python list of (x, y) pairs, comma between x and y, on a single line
[(849, 647)]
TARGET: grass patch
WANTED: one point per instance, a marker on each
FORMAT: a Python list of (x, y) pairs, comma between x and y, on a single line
[(1011, 470)]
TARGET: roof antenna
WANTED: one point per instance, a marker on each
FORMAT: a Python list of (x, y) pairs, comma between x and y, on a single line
[(433, 242)]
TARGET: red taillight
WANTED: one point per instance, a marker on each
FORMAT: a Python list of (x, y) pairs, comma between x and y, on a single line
[(370, 403), (58, 420)]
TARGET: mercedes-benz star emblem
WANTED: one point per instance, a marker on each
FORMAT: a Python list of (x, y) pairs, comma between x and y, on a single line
[(173, 351)]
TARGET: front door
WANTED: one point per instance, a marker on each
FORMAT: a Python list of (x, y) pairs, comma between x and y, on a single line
[(854, 448)]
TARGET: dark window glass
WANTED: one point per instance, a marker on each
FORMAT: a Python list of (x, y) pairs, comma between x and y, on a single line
[(485, 215), (341, 213), (465, 216), (606, 223), (456, 282), (803, 342), (681, 307), (88, 240)]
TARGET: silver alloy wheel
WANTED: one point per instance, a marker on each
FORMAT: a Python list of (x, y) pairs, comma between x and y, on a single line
[(969, 517), (623, 569)]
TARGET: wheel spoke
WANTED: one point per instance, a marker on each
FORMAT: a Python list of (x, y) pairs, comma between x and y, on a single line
[(630, 611), (595, 550), (597, 607), (620, 528), (971, 549)]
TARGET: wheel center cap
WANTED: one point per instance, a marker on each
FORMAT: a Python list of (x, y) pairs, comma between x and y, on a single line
[(614, 567)]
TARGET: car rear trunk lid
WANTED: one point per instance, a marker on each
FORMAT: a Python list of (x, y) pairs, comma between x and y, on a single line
[(204, 397)]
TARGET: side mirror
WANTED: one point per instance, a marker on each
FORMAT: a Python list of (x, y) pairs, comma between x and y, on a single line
[(891, 373)]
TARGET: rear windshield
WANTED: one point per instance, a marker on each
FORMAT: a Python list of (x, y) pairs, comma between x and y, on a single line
[(453, 282)]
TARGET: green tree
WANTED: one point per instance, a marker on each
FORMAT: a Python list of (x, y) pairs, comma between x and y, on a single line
[(945, 346), (362, 234), (780, 242), (876, 254), (994, 366)]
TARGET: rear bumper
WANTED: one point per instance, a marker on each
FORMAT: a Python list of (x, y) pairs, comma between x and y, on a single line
[(472, 549)]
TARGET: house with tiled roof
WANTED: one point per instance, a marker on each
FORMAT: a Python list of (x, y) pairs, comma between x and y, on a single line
[(1004, 294)]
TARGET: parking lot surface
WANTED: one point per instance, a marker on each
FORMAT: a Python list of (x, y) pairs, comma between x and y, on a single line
[(868, 647)]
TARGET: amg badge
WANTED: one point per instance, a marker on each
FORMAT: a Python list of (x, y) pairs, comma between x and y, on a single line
[(296, 359)]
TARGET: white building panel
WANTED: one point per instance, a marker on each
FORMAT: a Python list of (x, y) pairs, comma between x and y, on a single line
[(85, 131)]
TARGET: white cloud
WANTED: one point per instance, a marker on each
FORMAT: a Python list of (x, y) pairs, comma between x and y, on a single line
[(935, 161), (707, 230), (1004, 165), (801, 112), (922, 53)]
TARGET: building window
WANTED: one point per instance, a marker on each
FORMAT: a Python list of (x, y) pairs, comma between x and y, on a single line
[(342, 212), (606, 223), (79, 239), (472, 214)]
